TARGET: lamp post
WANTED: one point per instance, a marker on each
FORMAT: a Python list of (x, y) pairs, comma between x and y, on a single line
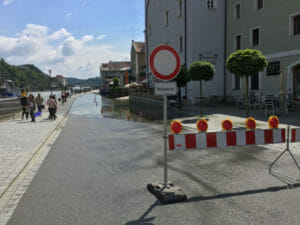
[(50, 82)]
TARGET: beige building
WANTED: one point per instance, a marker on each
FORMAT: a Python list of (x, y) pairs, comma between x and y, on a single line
[(138, 61), (61, 80), (273, 27), (110, 70)]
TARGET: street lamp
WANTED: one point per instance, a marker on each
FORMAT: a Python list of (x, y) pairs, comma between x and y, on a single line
[(50, 82)]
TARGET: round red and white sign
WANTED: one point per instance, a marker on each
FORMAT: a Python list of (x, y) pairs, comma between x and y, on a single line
[(164, 62)]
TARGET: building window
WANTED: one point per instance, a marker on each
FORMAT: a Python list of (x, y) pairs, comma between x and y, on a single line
[(211, 4), (237, 82), (167, 18), (150, 30), (258, 4), (254, 85), (237, 11), (296, 26), (180, 44), (255, 37), (238, 39), (179, 7)]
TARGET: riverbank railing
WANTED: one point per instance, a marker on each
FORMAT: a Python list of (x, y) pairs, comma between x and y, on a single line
[(9, 107)]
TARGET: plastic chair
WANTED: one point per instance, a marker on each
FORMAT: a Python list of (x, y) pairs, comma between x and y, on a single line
[(269, 104)]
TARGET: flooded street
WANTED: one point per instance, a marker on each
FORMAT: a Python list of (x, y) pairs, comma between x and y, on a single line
[(95, 105)]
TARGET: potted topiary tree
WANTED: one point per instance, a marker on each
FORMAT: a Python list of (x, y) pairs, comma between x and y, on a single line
[(246, 63), (181, 80), (201, 71)]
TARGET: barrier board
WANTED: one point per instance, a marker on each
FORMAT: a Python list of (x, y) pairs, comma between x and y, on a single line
[(204, 140)]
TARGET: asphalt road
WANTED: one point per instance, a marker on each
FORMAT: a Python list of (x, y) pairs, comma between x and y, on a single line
[(98, 169)]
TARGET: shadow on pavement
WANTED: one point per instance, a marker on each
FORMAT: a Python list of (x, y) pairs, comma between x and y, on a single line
[(234, 194), (142, 220)]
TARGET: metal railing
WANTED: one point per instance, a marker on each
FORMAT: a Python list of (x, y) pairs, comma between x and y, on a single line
[(9, 108)]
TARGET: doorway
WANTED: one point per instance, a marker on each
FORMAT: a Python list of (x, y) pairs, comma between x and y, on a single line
[(296, 83)]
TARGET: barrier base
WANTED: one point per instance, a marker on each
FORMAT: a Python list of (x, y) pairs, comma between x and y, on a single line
[(289, 180), (166, 194)]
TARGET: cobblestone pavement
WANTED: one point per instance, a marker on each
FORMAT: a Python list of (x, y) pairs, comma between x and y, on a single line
[(20, 139)]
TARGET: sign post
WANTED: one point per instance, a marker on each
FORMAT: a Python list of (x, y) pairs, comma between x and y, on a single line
[(165, 65)]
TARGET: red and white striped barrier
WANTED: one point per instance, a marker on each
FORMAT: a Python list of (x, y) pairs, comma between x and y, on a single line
[(227, 139), (295, 136)]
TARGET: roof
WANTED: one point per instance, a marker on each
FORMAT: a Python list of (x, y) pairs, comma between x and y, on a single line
[(59, 76), (114, 66), (139, 46)]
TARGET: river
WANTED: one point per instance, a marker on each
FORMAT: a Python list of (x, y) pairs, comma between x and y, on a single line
[(45, 94), (95, 105)]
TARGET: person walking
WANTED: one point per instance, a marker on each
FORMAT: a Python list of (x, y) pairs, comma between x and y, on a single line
[(39, 101), (24, 101), (31, 107), (52, 107)]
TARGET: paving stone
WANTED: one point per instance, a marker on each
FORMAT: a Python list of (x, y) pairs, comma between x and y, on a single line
[(19, 140)]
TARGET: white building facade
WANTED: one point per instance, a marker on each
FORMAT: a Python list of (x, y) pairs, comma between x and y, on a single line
[(196, 29)]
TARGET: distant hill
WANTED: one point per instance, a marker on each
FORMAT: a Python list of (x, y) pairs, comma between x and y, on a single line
[(90, 82), (32, 78), (24, 76)]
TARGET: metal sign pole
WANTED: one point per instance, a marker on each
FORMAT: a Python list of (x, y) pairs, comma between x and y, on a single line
[(165, 143)]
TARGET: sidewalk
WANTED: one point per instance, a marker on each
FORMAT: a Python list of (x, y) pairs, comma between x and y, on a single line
[(20, 139)]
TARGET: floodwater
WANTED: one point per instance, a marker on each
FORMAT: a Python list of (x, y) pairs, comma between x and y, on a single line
[(95, 105)]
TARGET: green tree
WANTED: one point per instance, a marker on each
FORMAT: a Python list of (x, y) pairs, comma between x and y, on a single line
[(116, 82), (201, 71), (182, 78), (246, 63)]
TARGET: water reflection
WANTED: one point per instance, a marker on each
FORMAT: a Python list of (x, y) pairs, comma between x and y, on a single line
[(95, 105)]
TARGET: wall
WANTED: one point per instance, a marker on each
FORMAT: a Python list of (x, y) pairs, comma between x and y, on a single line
[(275, 41), (205, 35)]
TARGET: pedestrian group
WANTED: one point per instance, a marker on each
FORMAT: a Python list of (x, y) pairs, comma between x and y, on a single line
[(30, 104)]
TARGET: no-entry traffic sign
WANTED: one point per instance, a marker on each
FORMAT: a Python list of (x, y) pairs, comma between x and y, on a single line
[(164, 62)]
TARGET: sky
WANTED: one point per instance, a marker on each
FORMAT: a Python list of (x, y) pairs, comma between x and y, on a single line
[(69, 37)]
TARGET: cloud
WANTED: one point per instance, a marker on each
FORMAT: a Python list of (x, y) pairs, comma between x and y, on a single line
[(59, 51), (35, 30), (59, 34), (69, 14), (7, 2), (87, 38), (100, 37)]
